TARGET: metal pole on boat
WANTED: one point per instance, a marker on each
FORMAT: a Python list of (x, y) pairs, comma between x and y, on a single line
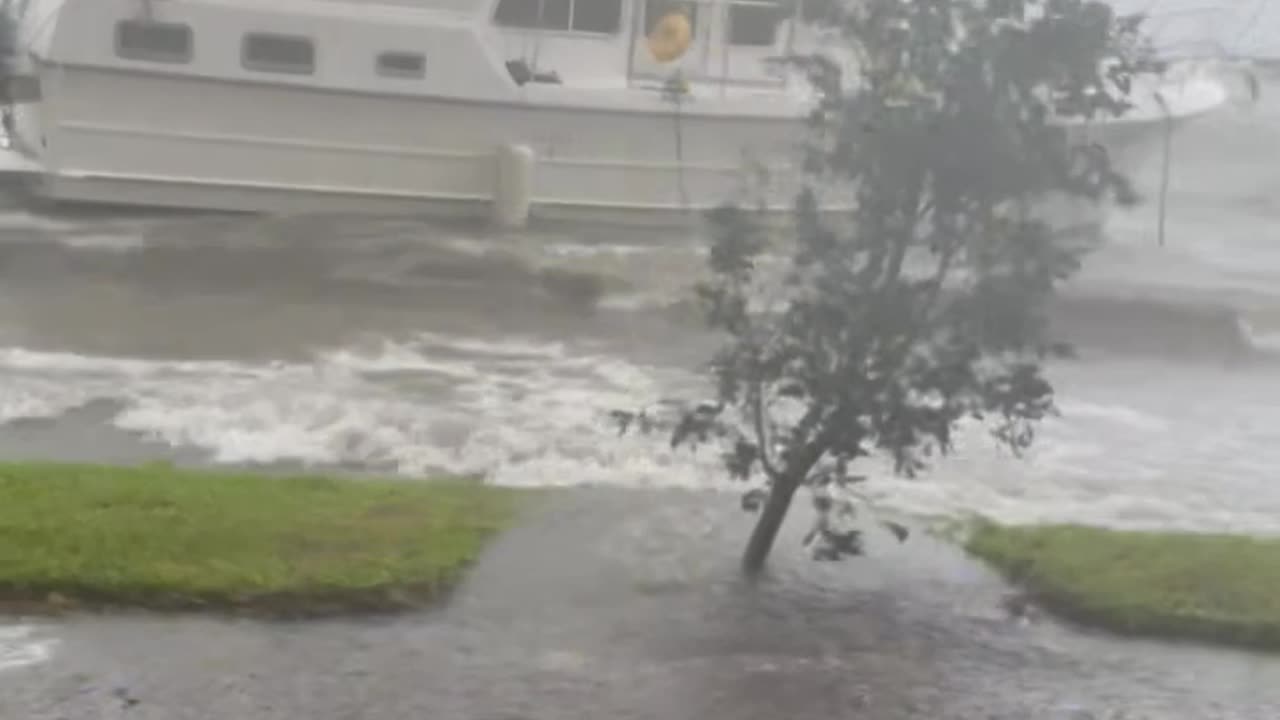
[(1164, 167), (537, 40), (789, 48), (637, 24), (726, 34)]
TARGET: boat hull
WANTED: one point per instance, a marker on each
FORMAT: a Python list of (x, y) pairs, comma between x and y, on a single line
[(104, 136)]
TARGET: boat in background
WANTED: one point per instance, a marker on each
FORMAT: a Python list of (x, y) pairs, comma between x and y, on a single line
[(503, 109)]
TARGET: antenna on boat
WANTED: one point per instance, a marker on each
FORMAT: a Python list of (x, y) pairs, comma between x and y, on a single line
[(1164, 166), (537, 39), (668, 41), (674, 91)]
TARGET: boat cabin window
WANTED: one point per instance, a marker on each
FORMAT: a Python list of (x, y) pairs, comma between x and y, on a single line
[(402, 64), (152, 41), (597, 16), (602, 17), (553, 14), (655, 10), (754, 23), (269, 52)]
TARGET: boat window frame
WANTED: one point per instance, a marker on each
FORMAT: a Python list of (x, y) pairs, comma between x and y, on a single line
[(568, 28), (752, 6), (152, 55), (401, 73), (279, 68)]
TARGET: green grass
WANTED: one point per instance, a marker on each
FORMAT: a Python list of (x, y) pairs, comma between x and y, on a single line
[(1218, 588), (164, 539)]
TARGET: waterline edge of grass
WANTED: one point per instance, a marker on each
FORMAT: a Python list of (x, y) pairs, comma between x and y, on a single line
[(1222, 589), (153, 537)]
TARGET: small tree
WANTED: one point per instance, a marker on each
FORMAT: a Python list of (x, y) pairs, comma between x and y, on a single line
[(879, 331)]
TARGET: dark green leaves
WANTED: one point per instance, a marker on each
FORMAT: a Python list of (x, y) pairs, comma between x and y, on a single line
[(898, 530)]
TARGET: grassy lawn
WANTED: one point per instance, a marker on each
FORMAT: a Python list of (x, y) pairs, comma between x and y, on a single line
[(159, 538), (1220, 588)]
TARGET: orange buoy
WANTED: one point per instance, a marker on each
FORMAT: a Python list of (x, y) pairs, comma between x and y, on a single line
[(670, 37)]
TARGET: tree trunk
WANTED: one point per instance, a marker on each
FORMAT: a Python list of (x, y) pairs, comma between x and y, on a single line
[(766, 531)]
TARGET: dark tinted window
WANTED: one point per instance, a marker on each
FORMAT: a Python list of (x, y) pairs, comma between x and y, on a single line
[(545, 14), (555, 13), (267, 52), (153, 41), (595, 16), (516, 13), (402, 64), (755, 24)]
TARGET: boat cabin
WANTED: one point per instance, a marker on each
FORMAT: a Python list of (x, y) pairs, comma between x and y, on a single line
[(570, 106), (484, 49), (730, 42)]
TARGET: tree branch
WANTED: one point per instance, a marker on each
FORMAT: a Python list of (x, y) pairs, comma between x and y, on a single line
[(907, 236), (762, 435)]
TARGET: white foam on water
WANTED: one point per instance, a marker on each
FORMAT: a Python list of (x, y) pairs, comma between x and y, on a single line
[(565, 249), (639, 301), (1127, 451), (60, 363), (391, 358), (38, 398), (1262, 333), (22, 646), (119, 235), (470, 245), (1122, 415), (1191, 451), (518, 412), (21, 220), (123, 241)]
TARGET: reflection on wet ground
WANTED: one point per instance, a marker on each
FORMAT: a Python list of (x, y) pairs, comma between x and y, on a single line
[(625, 604)]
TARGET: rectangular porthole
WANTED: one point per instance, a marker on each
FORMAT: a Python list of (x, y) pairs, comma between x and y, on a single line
[(402, 65), (151, 41), (269, 52)]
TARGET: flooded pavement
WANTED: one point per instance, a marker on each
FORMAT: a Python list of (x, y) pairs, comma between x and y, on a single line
[(625, 604)]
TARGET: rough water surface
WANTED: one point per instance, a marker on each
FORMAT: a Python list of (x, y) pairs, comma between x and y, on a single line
[(400, 346)]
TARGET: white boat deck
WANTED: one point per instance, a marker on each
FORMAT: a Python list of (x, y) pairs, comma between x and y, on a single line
[(13, 162)]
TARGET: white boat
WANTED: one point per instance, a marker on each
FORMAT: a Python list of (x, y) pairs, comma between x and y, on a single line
[(485, 108)]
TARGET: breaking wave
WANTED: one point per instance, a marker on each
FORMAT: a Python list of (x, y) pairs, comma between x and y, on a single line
[(532, 413), (522, 413)]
